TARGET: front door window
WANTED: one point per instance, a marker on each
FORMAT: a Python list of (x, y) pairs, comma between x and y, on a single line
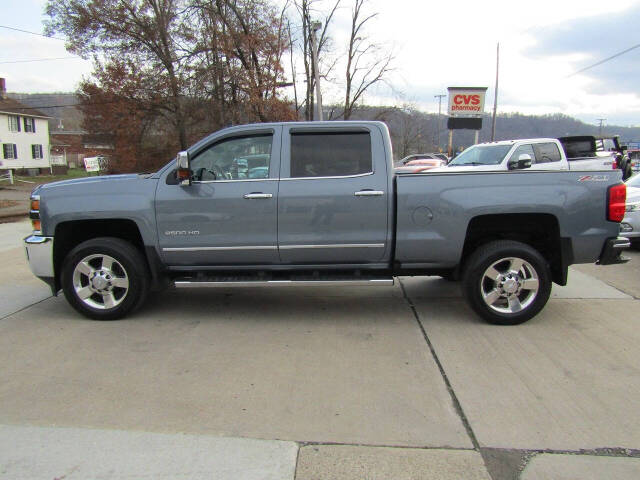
[(237, 158)]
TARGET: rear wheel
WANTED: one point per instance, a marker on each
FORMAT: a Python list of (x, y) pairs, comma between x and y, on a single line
[(105, 278), (506, 282)]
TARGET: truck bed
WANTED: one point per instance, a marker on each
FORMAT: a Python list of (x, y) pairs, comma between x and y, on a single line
[(435, 211)]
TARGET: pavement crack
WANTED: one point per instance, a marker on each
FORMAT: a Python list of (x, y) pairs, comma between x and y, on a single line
[(454, 398), (295, 468), (24, 308), (381, 445)]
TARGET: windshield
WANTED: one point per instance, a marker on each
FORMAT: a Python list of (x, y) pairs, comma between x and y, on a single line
[(633, 181), (481, 155)]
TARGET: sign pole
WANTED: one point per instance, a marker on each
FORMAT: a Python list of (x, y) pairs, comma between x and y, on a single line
[(475, 139), (495, 95), (450, 149)]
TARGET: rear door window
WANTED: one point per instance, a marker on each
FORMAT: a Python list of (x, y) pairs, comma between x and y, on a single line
[(330, 154), (546, 152)]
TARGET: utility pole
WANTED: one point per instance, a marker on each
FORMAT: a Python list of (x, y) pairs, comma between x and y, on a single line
[(439, 97), (601, 120), (495, 96), (315, 26)]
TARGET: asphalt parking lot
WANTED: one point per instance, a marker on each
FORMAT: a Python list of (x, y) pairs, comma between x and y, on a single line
[(400, 382)]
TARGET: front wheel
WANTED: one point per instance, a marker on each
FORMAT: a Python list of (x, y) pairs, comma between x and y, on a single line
[(506, 282), (105, 278)]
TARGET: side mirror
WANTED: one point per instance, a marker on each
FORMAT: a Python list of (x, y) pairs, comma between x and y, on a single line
[(183, 172), (524, 161)]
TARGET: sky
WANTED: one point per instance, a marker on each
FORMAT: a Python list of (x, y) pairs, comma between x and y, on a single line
[(436, 45)]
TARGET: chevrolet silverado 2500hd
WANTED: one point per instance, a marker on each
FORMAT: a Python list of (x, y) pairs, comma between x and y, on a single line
[(313, 204)]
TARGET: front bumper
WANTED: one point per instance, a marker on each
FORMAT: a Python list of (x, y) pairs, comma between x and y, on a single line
[(40, 255), (612, 251)]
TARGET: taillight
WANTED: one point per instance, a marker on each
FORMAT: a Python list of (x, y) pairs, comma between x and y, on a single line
[(616, 202)]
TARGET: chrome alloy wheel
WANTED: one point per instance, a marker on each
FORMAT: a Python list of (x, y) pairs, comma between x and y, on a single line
[(100, 281), (509, 285)]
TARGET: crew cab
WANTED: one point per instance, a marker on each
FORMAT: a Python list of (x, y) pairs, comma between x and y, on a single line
[(322, 207), (568, 153)]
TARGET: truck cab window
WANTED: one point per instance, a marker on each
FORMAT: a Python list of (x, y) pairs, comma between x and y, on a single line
[(546, 152), (521, 150), (330, 154), (237, 158)]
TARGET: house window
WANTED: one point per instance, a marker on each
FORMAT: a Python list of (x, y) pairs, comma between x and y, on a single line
[(14, 123), (36, 151), (9, 151), (29, 124)]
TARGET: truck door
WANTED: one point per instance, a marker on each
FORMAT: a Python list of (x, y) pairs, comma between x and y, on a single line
[(333, 200), (228, 215)]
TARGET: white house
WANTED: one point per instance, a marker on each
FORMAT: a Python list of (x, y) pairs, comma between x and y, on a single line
[(24, 134)]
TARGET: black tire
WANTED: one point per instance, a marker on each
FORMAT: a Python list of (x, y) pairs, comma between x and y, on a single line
[(635, 244), (129, 266), (503, 310)]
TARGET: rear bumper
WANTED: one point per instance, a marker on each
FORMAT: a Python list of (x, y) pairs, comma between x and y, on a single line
[(613, 248)]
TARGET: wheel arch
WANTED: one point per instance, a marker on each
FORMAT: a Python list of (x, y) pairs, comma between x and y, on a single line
[(541, 231), (71, 233)]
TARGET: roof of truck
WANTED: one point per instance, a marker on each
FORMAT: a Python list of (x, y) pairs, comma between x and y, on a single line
[(519, 140)]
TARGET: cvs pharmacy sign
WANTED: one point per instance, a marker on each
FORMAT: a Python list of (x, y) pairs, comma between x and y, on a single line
[(466, 101)]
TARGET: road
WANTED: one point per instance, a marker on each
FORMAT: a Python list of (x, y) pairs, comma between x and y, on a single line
[(327, 383)]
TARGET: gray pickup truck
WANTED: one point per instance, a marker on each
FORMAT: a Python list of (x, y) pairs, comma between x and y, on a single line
[(314, 204)]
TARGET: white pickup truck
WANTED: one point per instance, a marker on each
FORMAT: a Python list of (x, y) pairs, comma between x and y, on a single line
[(567, 153)]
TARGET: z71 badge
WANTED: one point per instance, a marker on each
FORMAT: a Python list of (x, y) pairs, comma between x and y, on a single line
[(594, 178)]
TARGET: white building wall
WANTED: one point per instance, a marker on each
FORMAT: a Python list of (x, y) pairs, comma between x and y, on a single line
[(23, 141)]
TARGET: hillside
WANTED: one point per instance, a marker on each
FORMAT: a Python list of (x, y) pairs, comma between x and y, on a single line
[(412, 130), (59, 106)]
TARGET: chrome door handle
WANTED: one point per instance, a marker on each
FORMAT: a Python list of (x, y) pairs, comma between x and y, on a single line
[(369, 193), (251, 196)]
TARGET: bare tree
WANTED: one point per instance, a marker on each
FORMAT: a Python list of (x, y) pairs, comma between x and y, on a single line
[(308, 12), (367, 62), (240, 47)]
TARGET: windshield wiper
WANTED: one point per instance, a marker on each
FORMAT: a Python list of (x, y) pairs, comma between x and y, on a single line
[(465, 164)]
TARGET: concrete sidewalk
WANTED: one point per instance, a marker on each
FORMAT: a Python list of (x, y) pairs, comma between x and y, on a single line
[(18, 287), (327, 383), (37, 453)]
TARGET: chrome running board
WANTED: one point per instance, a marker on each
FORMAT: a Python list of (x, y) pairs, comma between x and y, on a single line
[(380, 282)]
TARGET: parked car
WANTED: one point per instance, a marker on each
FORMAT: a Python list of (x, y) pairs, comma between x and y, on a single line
[(422, 156), (417, 166), (630, 226), (531, 154), (330, 212)]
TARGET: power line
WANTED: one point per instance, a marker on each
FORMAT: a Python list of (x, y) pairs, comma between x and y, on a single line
[(59, 106), (32, 33), (40, 60), (605, 60), (106, 102)]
